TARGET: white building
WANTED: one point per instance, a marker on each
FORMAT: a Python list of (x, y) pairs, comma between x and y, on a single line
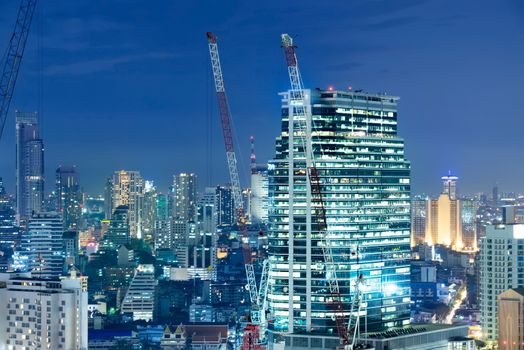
[(501, 268), (38, 313), (140, 296), (259, 193)]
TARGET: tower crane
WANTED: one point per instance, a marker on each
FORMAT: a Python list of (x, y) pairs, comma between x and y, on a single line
[(257, 299), (302, 120), (13, 57)]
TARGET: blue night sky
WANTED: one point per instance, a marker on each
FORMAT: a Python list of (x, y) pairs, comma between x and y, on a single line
[(127, 84)]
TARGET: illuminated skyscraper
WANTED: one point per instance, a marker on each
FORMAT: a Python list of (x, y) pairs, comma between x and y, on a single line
[(128, 189), (140, 297), (185, 197), (69, 196), (259, 193), (29, 166), (450, 186), (365, 183), (118, 232), (225, 206), (419, 212), (42, 243)]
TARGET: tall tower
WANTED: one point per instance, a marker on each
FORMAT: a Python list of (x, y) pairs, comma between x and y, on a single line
[(69, 196), (450, 185), (365, 184), (128, 189), (29, 166), (185, 197)]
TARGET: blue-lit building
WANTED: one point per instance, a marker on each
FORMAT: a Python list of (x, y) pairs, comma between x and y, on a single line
[(365, 181)]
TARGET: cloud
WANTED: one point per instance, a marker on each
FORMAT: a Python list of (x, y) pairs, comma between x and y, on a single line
[(101, 65)]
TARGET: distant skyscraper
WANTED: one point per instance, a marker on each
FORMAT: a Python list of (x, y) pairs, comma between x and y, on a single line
[(450, 185), (495, 195), (128, 189), (500, 267), (468, 218), (185, 196), (162, 224), (29, 166), (118, 232), (69, 196), (225, 206), (71, 248), (108, 198), (365, 181), (204, 247), (451, 221), (444, 222), (140, 297), (9, 233), (42, 243), (259, 193), (419, 213), (40, 313), (149, 211)]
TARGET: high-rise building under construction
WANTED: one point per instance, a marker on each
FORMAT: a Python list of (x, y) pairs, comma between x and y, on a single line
[(365, 185)]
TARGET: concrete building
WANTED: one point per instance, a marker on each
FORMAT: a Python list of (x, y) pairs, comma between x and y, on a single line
[(185, 197), (128, 189), (71, 248), (511, 319), (501, 267), (41, 313), (225, 206), (162, 223), (29, 166), (69, 196), (365, 182), (140, 297), (42, 243)]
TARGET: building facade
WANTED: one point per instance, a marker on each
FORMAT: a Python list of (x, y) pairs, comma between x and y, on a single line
[(185, 197), (140, 297), (259, 193), (42, 243), (69, 196), (501, 267), (29, 166), (365, 183), (511, 319), (128, 189), (41, 313)]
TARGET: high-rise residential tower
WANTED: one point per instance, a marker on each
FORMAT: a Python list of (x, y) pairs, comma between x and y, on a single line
[(185, 197), (29, 166), (128, 189), (365, 184), (69, 196)]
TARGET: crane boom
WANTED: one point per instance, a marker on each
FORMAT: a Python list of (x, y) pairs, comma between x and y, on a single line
[(303, 117), (13, 57), (225, 118)]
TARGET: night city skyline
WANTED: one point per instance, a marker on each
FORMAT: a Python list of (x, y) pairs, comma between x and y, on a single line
[(301, 175), (133, 89)]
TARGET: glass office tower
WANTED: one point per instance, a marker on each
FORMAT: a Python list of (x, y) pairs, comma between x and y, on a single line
[(365, 181)]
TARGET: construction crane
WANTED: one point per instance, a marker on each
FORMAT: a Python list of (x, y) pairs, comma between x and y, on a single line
[(13, 57), (225, 117), (302, 120)]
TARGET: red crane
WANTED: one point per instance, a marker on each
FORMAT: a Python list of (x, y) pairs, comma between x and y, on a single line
[(302, 116), (225, 118)]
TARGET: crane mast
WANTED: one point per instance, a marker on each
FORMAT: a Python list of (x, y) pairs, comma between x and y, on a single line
[(302, 116), (13, 57), (225, 118)]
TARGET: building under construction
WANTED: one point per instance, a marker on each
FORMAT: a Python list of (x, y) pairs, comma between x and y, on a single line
[(365, 186)]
